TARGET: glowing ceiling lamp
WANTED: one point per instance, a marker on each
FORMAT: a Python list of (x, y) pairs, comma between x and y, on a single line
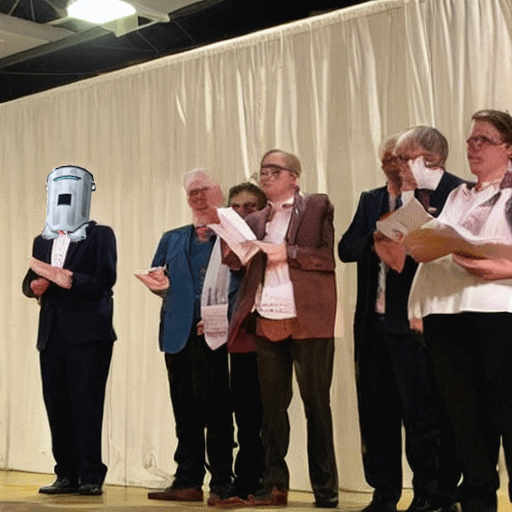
[(99, 11)]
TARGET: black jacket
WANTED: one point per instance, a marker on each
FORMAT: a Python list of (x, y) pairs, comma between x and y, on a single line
[(357, 245), (84, 312)]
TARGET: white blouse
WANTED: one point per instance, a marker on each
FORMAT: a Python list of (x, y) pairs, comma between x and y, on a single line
[(441, 286)]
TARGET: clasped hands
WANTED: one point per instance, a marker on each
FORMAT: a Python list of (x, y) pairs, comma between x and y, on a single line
[(47, 273)]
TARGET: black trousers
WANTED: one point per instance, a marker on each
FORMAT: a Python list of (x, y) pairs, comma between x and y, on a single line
[(472, 354), (200, 396), (396, 385), (245, 392), (74, 378), (313, 362)]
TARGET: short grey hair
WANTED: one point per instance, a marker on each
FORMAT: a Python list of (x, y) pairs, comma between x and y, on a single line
[(388, 144), (194, 175), (428, 138)]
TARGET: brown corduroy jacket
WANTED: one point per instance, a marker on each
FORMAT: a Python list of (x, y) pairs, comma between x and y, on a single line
[(309, 241)]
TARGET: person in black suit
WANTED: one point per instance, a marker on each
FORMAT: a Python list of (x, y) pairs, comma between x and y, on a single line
[(394, 375), (75, 341)]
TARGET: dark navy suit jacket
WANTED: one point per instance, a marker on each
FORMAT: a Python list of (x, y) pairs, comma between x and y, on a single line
[(84, 312), (357, 245)]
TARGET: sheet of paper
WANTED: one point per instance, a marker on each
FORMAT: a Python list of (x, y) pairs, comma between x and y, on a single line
[(236, 233), (407, 218), (215, 320), (442, 239)]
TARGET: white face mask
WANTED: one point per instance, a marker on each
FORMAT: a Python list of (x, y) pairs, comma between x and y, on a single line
[(426, 177)]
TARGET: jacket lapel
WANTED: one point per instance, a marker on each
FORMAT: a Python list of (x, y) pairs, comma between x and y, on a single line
[(299, 205)]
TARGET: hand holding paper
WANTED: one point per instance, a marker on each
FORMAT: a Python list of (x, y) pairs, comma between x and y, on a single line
[(275, 253), (408, 218), (60, 276), (437, 239), (392, 253), (486, 268), (154, 279), (236, 233)]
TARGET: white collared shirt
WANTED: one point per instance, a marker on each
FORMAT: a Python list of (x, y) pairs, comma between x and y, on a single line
[(276, 299), (59, 250), (443, 287)]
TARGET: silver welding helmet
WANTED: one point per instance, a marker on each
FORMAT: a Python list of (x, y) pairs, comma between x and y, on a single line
[(69, 201)]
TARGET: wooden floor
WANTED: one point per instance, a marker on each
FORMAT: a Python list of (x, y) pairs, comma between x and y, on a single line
[(18, 493)]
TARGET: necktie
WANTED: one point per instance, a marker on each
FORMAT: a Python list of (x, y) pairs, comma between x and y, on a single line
[(424, 197)]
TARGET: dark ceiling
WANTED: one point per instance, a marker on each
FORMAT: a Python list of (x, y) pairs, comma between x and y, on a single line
[(192, 26)]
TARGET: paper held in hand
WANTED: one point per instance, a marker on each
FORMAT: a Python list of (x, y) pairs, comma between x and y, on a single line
[(442, 239), (236, 233), (407, 218)]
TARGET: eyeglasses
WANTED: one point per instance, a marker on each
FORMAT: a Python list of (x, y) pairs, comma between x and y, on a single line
[(196, 192), (479, 141), (273, 171)]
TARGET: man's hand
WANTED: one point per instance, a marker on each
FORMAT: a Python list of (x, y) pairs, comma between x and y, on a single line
[(200, 327), (60, 276), (486, 268), (407, 177), (276, 253), (39, 286), (390, 252), (416, 324), (155, 279), (204, 217)]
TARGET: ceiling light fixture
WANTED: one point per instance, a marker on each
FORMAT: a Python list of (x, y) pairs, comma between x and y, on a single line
[(116, 15), (99, 11)]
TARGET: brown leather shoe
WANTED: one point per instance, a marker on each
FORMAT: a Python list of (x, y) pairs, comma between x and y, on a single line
[(177, 494), (215, 500), (266, 497)]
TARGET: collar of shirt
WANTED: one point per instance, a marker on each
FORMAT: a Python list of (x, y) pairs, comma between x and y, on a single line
[(278, 220), (282, 205)]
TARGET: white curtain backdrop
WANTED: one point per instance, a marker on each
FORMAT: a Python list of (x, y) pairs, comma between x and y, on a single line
[(328, 89)]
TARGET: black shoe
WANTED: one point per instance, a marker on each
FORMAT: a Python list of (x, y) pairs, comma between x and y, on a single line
[(61, 486), (479, 504), (380, 503), (324, 502), (424, 504), (90, 490), (453, 507)]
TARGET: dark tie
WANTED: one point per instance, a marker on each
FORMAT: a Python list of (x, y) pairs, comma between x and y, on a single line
[(423, 195)]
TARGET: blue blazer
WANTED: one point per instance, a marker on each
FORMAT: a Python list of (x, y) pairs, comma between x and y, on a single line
[(177, 313)]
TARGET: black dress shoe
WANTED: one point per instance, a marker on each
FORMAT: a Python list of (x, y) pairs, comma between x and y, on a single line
[(324, 502), (61, 486), (90, 490), (424, 504), (380, 503)]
